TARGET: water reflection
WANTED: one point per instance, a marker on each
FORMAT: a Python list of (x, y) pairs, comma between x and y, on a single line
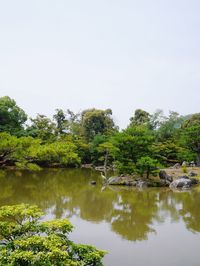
[(131, 213)]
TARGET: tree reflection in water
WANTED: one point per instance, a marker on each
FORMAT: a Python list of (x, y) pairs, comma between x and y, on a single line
[(131, 213)]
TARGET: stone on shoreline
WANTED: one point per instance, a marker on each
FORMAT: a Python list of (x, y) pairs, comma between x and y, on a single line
[(183, 182), (140, 183), (164, 176), (122, 180)]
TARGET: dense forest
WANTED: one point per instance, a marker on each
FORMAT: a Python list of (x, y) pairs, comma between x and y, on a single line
[(71, 139)]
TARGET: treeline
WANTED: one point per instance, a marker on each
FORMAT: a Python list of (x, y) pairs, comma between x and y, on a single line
[(91, 137)]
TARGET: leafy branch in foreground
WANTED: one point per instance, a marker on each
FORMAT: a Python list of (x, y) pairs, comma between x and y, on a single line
[(25, 240)]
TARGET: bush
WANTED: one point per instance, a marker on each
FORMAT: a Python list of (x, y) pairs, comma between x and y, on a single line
[(184, 169), (24, 240)]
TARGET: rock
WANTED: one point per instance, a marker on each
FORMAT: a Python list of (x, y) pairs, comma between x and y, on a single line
[(164, 176), (194, 181), (181, 183), (152, 183), (176, 166), (141, 184), (121, 180), (185, 164), (93, 182), (158, 183), (102, 168), (192, 174), (87, 166), (164, 183), (184, 177), (192, 164)]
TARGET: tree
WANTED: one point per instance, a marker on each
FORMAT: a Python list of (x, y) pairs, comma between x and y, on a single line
[(8, 145), (59, 153), (192, 120), (29, 153), (42, 127), (12, 117), (140, 117), (171, 151), (169, 126), (132, 144), (156, 119), (102, 150), (146, 165), (191, 135), (74, 121), (97, 122), (16, 151), (68, 122), (25, 240), (61, 121)]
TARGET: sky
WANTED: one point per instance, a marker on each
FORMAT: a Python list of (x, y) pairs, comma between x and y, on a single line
[(118, 54)]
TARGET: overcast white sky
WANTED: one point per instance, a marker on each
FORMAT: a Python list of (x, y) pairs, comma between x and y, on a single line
[(118, 54)]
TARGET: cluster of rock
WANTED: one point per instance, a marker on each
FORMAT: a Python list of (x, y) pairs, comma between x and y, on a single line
[(121, 180), (184, 164), (182, 182), (137, 182)]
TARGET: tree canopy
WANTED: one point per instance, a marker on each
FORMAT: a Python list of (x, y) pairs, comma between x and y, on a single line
[(69, 139), (12, 117)]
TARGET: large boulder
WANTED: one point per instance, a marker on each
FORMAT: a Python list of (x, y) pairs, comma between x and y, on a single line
[(176, 166), (121, 180), (193, 174), (164, 176), (181, 183), (183, 176), (193, 180)]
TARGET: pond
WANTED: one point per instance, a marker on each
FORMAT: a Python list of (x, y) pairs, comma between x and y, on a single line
[(150, 227)]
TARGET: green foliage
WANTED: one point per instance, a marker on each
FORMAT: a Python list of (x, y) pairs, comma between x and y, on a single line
[(12, 117), (43, 128), (169, 126), (25, 240), (140, 118), (184, 169), (170, 152), (82, 148), (193, 120), (61, 121), (130, 145), (147, 165), (58, 153), (70, 139), (156, 119), (125, 168), (29, 153), (102, 150), (28, 166), (97, 122), (191, 135), (15, 150)]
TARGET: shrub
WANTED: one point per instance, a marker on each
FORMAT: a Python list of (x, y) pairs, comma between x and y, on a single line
[(24, 240)]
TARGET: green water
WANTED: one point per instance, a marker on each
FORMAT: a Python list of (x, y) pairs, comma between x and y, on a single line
[(150, 227)]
